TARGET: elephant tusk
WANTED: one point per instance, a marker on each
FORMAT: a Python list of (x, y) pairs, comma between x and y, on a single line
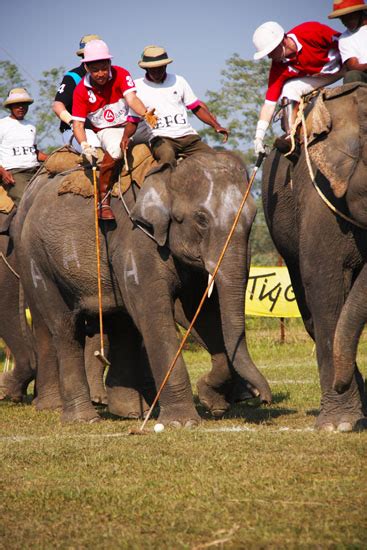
[(210, 285)]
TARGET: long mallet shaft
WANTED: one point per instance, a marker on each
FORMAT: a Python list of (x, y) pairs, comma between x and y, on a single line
[(99, 354), (259, 160)]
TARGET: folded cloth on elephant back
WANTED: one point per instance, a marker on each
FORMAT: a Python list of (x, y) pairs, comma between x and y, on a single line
[(337, 161), (6, 203), (140, 161)]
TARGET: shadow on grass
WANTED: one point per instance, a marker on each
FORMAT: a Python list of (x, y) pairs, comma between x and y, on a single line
[(251, 410), (313, 412)]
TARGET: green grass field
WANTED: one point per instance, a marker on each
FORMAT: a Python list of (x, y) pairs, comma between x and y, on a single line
[(259, 478)]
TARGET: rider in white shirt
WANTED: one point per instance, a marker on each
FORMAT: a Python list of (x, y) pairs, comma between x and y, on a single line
[(353, 42), (172, 97), (19, 156)]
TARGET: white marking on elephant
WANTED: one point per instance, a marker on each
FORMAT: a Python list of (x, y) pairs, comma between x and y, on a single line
[(131, 270), (70, 255), (207, 204), (230, 202), (36, 275), (152, 199)]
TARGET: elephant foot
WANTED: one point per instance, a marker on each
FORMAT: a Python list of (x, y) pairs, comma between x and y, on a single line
[(126, 402), (86, 414), (241, 391), (99, 399), (211, 399), (343, 425), (341, 413), (49, 400), (179, 417), (10, 388)]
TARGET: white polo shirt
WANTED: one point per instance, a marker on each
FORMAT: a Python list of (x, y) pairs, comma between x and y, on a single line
[(17, 144), (171, 99), (354, 44)]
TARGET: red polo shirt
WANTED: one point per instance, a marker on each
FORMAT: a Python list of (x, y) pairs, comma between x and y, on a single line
[(105, 107), (317, 46)]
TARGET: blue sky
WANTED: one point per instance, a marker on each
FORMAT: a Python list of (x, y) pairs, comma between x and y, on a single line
[(200, 35)]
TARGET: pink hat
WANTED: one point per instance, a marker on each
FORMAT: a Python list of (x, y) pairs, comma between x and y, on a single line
[(96, 50)]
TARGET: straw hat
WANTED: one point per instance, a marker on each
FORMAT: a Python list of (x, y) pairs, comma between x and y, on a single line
[(17, 95), (84, 39), (154, 56), (343, 7)]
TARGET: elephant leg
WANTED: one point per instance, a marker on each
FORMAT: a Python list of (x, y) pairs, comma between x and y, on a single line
[(95, 369), (69, 340), (13, 384), (337, 411), (160, 338), (127, 377), (221, 386), (47, 390), (214, 386)]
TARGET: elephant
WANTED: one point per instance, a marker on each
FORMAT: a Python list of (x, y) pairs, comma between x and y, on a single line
[(189, 212), (325, 252), (13, 327)]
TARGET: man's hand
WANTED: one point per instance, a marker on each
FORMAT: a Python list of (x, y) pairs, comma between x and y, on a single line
[(259, 146), (150, 118), (89, 152), (224, 132), (124, 143), (7, 177)]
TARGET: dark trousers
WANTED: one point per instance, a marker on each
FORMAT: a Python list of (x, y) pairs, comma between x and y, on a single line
[(167, 150), (22, 177)]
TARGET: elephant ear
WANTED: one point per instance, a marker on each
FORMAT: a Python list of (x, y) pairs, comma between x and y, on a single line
[(337, 154), (152, 207)]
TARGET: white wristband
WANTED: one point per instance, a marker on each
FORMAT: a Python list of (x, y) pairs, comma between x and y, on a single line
[(261, 128), (65, 116)]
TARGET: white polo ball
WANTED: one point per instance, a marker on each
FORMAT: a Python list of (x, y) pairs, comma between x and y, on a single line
[(158, 428)]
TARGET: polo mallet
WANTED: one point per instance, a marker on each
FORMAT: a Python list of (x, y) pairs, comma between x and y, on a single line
[(141, 431), (99, 353)]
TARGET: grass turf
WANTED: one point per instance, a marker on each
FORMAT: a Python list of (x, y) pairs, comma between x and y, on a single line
[(259, 478)]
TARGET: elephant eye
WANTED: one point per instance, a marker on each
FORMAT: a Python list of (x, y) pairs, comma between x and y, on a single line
[(177, 216), (201, 219)]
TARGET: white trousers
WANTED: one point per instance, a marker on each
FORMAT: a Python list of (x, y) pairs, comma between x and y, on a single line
[(110, 138), (295, 88), (92, 139)]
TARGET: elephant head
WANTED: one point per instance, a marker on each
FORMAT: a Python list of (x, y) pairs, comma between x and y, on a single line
[(191, 209), (340, 150)]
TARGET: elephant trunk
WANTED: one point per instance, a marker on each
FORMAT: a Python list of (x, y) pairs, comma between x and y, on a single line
[(348, 331), (230, 283)]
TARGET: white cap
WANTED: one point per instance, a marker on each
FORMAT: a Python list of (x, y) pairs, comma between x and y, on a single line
[(266, 38)]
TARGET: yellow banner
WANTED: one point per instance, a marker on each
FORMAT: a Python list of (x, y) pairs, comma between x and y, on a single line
[(270, 293)]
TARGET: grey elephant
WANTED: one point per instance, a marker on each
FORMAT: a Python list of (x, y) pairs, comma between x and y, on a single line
[(13, 329), (189, 213), (324, 252)]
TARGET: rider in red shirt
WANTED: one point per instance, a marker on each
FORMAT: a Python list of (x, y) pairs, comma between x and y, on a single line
[(303, 59), (104, 97)]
